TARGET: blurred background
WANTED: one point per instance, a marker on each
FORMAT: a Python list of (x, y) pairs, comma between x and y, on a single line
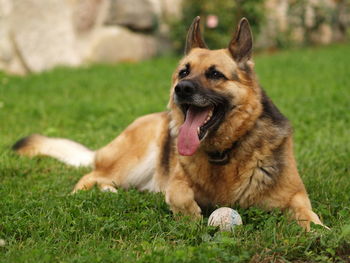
[(94, 101), (36, 35)]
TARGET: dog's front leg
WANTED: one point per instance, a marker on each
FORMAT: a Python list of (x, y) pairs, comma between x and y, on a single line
[(180, 195)]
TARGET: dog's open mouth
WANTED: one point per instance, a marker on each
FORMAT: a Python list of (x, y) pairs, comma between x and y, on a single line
[(198, 122)]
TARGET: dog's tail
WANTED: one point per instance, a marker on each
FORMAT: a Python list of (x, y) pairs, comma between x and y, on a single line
[(66, 151)]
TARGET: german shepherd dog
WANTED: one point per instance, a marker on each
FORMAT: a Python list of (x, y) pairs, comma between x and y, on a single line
[(222, 141)]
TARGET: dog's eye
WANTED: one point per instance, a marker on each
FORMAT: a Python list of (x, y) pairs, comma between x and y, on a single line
[(214, 74), (184, 73)]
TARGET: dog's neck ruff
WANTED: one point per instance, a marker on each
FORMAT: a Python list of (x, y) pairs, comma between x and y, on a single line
[(221, 158)]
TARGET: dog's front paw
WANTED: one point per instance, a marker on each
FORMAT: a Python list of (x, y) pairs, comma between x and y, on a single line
[(183, 203), (192, 210)]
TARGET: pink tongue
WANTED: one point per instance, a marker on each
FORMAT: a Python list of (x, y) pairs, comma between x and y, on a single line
[(188, 141)]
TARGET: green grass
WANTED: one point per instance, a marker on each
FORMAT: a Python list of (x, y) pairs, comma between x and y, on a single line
[(41, 222)]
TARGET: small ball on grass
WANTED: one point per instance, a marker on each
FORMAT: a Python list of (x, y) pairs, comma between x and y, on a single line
[(225, 218)]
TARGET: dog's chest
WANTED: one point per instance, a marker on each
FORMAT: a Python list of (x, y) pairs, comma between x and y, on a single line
[(230, 184)]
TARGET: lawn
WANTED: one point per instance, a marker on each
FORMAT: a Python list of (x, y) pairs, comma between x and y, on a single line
[(41, 222)]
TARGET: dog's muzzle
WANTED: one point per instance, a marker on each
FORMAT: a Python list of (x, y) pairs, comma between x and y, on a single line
[(184, 91), (189, 92), (203, 110)]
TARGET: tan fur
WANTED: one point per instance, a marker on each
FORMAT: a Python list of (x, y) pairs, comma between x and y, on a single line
[(32, 148), (261, 170)]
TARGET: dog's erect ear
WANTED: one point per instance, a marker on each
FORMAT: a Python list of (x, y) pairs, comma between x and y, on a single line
[(241, 44), (194, 36)]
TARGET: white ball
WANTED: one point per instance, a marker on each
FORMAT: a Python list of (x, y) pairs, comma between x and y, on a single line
[(225, 218)]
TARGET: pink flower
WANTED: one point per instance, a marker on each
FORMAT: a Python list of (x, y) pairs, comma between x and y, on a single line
[(212, 21)]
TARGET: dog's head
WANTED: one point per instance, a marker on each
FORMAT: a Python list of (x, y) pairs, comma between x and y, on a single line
[(214, 96)]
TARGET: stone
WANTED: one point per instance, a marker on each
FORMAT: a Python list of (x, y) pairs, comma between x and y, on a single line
[(2, 243), (113, 44), (171, 8), (43, 34), (88, 14), (6, 49), (5, 8), (138, 15), (297, 35), (323, 35), (10, 62), (275, 25)]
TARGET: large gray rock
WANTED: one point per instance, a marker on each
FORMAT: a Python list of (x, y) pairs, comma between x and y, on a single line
[(10, 61), (139, 15), (276, 13), (113, 44), (43, 34), (88, 14), (303, 22), (171, 8), (9, 58)]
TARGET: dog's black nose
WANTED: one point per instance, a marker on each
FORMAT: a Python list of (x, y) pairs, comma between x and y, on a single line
[(185, 88)]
